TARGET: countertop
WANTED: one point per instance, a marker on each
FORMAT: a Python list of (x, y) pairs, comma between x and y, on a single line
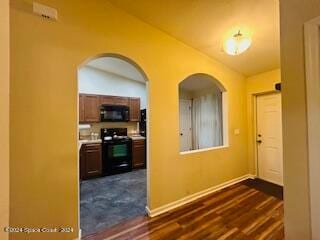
[(137, 138), (81, 142)]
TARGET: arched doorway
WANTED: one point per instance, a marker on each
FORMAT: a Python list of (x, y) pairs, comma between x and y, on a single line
[(113, 156)]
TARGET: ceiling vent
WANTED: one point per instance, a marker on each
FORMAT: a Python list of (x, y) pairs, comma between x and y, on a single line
[(45, 11)]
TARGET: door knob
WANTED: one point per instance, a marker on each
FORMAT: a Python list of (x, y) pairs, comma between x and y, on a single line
[(259, 141), (181, 134)]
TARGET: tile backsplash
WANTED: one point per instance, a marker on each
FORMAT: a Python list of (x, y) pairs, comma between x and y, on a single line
[(95, 128)]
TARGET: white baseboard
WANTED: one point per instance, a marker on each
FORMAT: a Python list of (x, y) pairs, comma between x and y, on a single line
[(251, 176), (79, 235), (195, 196)]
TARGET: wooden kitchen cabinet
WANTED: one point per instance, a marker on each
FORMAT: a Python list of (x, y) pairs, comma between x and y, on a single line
[(134, 105), (81, 108), (90, 161), (138, 154), (113, 100), (89, 108)]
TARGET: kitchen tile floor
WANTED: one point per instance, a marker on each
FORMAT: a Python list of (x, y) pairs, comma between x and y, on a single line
[(110, 200)]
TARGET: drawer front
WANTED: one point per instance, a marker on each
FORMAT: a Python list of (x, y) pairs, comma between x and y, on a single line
[(92, 146), (138, 142)]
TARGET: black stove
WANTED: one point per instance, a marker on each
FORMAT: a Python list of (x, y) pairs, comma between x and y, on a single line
[(116, 150)]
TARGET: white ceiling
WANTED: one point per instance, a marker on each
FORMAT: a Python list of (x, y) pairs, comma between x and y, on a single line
[(117, 66), (204, 24)]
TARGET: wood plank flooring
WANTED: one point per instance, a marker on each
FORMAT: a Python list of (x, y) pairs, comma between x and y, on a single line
[(235, 213)]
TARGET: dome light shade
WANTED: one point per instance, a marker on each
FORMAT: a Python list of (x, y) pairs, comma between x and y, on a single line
[(237, 44)]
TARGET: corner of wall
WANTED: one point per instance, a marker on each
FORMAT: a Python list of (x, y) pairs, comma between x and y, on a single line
[(4, 118)]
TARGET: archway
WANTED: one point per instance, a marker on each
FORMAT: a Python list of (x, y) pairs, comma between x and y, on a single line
[(202, 113), (113, 136)]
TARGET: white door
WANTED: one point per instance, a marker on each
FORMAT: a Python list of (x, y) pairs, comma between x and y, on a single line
[(185, 125), (269, 138)]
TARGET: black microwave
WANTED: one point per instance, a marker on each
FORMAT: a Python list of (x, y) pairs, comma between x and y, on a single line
[(114, 113)]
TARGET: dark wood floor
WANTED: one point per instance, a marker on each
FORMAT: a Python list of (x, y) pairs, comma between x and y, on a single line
[(237, 212)]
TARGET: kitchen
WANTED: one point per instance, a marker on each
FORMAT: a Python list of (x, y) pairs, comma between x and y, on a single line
[(112, 143)]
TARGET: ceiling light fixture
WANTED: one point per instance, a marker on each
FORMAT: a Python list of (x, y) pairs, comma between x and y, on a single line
[(237, 44)]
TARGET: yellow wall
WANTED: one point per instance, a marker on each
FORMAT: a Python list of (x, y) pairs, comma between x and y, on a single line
[(294, 13), (4, 117), (258, 84), (45, 56)]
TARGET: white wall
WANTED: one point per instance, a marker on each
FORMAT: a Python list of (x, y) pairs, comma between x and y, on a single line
[(95, 81)]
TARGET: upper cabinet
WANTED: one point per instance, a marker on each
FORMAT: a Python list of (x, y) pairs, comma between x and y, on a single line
[(112, 100), (134, 105), (81, 108), (89, 106)]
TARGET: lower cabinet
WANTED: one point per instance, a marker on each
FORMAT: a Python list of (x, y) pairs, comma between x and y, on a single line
[(90, 161), (91, 158), (138, 154)]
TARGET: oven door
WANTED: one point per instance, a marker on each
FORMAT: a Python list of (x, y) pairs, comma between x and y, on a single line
[(111, 113), (117, 157)]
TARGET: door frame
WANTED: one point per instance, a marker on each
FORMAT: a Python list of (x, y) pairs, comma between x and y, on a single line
[(255, 128), (191, 139), (312, 73)]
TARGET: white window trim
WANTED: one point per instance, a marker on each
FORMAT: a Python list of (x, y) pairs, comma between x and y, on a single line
[(203, 150), (225, 129)]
